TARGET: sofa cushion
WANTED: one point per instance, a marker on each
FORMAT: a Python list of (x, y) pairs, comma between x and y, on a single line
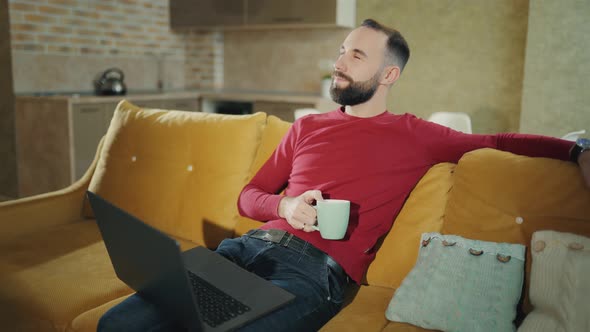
[(179, 171), (273, 132), (55, 274), (502, 197), (461, 284), (560, 286), (88, 321), (365, 313), (49, 277), (423, 212)]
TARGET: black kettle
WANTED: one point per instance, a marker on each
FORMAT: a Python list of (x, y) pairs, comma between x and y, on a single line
[(110, 83)]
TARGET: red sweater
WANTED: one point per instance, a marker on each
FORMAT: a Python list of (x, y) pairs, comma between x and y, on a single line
[(373, 162)]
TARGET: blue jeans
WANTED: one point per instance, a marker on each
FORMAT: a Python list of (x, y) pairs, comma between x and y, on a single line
[(319, 291)]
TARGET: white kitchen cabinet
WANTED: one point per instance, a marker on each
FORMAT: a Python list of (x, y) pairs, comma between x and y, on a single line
[(90, 123)]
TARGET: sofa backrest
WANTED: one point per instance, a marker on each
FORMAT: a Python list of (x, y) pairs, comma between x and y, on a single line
[(488, 195), (502, 197), (423, 212), (181, 172), (273, 132)]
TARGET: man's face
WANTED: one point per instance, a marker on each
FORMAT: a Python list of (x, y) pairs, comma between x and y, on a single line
[(359, 67), (355, 92)]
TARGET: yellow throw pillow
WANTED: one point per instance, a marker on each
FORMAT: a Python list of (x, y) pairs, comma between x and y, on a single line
[(179, 171)]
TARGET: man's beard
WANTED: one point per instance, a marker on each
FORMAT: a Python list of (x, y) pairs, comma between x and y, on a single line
[(355, 92)]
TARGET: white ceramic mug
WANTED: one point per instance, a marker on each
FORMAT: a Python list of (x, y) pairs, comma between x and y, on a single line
[(333, 215)]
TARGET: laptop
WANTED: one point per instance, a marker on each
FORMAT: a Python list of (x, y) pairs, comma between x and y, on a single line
[(198, 288)]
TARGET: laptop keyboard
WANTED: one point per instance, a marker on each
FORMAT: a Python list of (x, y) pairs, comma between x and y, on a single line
[(216, 306)]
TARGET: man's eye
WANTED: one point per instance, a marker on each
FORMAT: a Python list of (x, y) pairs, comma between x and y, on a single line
[(357, 57)]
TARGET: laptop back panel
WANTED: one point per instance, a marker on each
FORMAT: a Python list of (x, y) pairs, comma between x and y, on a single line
[(151, 263), (156, 270)]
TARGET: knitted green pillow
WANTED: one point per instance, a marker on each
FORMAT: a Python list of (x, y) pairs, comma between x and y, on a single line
[(460, 284)]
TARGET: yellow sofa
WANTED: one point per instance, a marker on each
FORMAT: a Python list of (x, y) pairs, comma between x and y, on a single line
[(182, 173)]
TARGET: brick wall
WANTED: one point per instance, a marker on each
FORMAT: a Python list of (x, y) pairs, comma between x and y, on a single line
[(204, 59), (113, 28)]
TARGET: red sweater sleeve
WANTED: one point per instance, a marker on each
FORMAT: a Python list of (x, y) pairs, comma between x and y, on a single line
[(260, 198), (446, 145)]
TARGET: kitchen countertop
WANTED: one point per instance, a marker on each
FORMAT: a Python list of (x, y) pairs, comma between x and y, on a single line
[(89, 98), (316, 101), (224, 95), (267, 96)]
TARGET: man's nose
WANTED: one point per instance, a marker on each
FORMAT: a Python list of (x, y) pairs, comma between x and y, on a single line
[(339, 65)]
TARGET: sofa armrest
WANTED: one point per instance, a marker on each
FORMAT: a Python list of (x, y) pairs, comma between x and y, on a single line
[(29, 214)]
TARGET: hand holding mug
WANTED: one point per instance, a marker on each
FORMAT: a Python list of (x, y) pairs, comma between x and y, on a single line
[(299, 211)]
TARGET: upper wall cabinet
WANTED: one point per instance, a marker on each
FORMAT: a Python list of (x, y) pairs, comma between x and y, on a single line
[(207, 13), (260, 14), (301, 12)]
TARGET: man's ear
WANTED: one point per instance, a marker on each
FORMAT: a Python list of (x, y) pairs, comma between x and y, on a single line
[(391, 74)]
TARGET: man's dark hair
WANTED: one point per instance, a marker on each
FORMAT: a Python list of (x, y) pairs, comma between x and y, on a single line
[(397, 51)]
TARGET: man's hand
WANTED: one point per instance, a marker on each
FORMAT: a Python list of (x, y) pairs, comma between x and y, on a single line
[(584, 162), (298, 211)]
